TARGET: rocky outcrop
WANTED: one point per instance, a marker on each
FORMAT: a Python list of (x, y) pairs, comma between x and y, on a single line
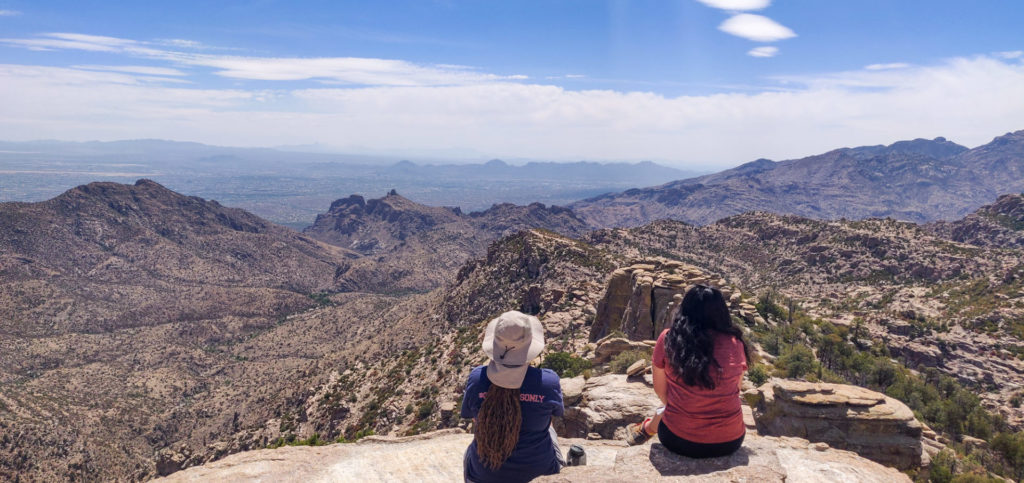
[(411, 246), (999, 225), (437, 457), (871, 424), (609, 347), (642, 299), (607, 405)]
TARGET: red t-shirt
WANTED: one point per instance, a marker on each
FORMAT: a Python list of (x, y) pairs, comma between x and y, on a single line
[(706, 415)]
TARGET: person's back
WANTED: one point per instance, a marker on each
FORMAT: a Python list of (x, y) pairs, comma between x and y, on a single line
[(700, 414), (698, 366), (512, 405), (535, 453)]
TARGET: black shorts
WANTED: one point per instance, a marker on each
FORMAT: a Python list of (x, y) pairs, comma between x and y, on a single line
[(690, 449)]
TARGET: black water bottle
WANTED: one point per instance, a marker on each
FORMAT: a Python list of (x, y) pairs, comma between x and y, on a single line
[(576, 456)]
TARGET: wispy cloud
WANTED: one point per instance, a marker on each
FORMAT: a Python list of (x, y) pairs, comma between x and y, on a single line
[(756, 27), (181, 43), (763, 51), (335, 70), (9, 13), (70, 41), (737, 5), (1012, 54), (894, 65), (134, 69)]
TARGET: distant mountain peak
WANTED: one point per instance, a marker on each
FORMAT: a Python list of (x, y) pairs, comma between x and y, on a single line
[(1008, 138), (105, 191), (938, 148)]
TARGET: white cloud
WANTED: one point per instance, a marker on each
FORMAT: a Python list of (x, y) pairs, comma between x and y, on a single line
[(763, 51), (737, 5), (181, 43), (756, 27), (9, 13), (342, 70), (335, 70), (1012, 54), (894, 65), (134, 69)]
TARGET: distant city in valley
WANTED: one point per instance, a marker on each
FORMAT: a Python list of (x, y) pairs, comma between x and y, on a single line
[(291, 188)]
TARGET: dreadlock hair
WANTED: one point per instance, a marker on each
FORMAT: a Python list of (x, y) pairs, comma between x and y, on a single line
[(690, 342), (497, 426)]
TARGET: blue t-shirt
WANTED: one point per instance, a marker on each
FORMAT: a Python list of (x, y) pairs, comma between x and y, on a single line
[(540, 398)]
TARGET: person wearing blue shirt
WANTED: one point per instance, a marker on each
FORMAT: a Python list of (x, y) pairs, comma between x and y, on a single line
[(512, 405)]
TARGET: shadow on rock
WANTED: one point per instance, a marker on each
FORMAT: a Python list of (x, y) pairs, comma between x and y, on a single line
[(670, 464)]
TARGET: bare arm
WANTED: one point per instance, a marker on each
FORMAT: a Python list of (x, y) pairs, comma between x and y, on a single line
[(660, 384)]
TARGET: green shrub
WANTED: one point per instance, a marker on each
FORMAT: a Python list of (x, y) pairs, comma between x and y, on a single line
[(758, 374), (797, 361), (623, 360), (942, 467), (322, 299), (356, 436), (565, 364), (291, 440), (425, 409)]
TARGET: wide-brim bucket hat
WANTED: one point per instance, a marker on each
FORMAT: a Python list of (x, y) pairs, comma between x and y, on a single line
[(512, 340)]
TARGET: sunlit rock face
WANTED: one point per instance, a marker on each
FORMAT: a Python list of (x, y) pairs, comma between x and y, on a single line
[(869, 423)]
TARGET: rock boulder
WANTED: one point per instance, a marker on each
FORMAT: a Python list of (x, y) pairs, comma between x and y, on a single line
[(642, 299), (610, 347), (871, 424), (608, 404)]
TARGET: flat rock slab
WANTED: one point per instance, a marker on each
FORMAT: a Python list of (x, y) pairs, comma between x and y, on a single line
[(433, 457), (437, 457), (761, 459)]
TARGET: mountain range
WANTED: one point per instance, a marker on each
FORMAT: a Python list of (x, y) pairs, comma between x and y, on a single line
[(920, 181)]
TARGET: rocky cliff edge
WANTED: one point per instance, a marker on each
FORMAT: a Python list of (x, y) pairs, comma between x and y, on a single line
[(438, 456)]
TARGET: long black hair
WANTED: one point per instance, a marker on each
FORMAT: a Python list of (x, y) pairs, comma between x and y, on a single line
[(689, 344)]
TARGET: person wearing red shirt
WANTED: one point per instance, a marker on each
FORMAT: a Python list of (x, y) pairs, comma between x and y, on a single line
[(698, 368)]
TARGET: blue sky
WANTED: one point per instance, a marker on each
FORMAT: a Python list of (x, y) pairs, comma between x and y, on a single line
[(702, 83)]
